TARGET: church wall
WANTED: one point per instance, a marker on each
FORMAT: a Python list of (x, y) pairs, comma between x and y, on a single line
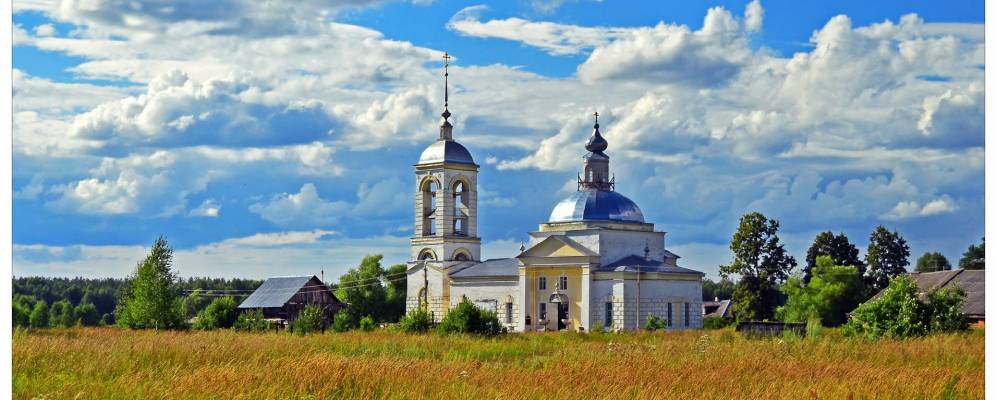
[(489, 295), (439, 296), (616, 244), (655, 296)]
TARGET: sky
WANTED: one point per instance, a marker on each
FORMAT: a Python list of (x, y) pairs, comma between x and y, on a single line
[(278, 138)]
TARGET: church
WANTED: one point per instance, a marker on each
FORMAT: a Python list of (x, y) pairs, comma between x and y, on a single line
[(594, 263)]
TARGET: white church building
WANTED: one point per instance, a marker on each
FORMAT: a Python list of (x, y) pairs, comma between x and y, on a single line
[(594, 262)]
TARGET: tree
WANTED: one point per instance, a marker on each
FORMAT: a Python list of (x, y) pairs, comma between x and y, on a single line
[(150, 297), (841, 251), (721, 290), (39, 315), (61, 314), (763, 264), (931, 262), (973, 258), (19, 316), (832, 292), (363, 290), (886, 257), (86, 314), (468, 318), (221, 313), (397, 279)]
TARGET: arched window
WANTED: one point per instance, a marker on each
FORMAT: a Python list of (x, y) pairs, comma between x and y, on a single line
[(429, 189), (427, 255), (461, 256), (460, 208)]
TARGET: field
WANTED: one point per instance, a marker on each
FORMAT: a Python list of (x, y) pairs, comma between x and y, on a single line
[(117, 363)]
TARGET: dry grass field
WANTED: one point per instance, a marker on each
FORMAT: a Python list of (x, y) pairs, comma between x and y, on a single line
[(117, 363)]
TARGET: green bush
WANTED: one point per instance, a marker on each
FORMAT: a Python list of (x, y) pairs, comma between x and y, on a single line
[(106, 320), (61, 314), (653, 323), (20, 316), (832, 292), (341, 322), (251, 321), (221, 313), (39, 315), (367, 323), (309, 320), (900, 313), (468, 318), (417, 321), (86, 314), (717, 322)]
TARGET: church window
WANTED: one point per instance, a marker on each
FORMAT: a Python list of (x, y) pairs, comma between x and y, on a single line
[(431, 225), (460, 206), (669, 315), (562, 283), (608, 320), (543, 311), (508, 313), (685, 314), (461, 256), (542, 283), (429, 190), (427, 255)]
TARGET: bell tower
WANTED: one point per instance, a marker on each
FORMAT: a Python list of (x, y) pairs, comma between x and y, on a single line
[(446, 197)]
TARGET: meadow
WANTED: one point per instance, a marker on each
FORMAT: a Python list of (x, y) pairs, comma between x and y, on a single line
[(84, 363)]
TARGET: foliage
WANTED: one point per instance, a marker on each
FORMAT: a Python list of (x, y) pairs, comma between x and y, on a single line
[(367, 323), (86, 314), (973, 258), (832, 292), (885, 257), (468, 318), (251, 321), (341, 322), (417, 321), (653, 323), (39, 315), (360, 365), (899, 313), (763, 264), (19, 315), (150, 297), (841, 251), (221, 313), (931, 262), (364, 289), (309, 320), (717, 322), (61, 314), (720, 290)]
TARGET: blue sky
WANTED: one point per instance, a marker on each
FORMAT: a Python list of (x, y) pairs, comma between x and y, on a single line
[(279, 139)]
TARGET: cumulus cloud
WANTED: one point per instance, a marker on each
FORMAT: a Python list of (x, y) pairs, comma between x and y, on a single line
[(913, 209), (209, 208), (305, 208)]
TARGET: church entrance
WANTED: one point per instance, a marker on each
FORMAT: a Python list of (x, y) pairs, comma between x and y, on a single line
[(562, 315)]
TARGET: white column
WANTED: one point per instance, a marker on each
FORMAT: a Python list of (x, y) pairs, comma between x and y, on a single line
[(586, 316), (523, 301)]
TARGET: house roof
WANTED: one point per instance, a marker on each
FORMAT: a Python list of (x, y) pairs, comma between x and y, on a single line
[(633, 263), (971, 281), (719, 308), (275, 292), (490, 268)]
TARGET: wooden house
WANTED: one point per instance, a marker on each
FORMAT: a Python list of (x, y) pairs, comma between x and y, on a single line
[(282, 298)]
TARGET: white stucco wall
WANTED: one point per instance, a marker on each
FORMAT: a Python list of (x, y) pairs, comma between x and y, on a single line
[(654, 295), (490, 295)]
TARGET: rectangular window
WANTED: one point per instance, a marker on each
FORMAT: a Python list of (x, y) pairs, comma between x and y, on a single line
[(669, 315), (542, 283), (543, 311), (508, 313), (608, 322), (432, 226), (685, 317), (562, 283)]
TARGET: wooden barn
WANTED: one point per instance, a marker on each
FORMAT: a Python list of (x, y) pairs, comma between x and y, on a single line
[(282, 298)]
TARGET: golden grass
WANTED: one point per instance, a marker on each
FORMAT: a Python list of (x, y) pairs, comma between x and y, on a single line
[(116, 363)]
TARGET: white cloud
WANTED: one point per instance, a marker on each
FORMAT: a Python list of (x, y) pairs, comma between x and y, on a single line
[(753, 15), (209, 208), (45, 30), (305, 208), (913, 209)]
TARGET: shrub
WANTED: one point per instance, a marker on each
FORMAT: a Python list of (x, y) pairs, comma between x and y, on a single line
[(832, 292), (900, 313), (106, 320), (341, 322), (417, 321), (86, 314), (39, 315), (309, 320), (367, 323), (251, 321), (717, 322), (221, 313), (653, 323), (468, 318), (598, 328), (61, 314), (19, 316)]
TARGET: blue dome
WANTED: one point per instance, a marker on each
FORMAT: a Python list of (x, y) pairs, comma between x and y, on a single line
[(446, 151), (596, 205)]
